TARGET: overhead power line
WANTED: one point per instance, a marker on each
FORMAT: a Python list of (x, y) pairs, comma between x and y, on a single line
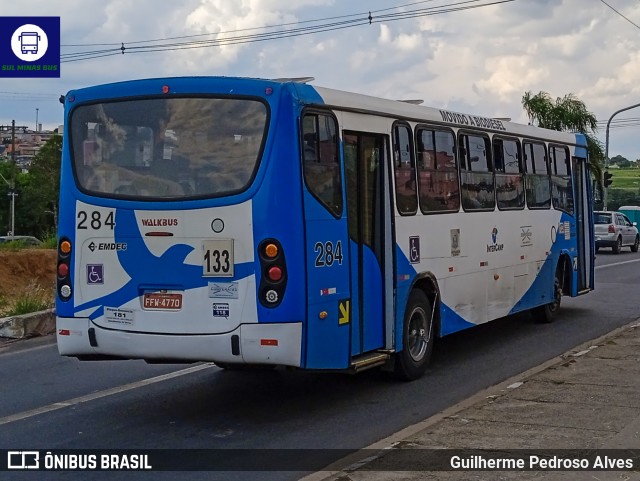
[(274, 32), (632, 23), (620, 123), (27, 96)]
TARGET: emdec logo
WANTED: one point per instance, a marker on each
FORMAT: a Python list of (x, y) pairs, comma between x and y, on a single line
[(29, 47)]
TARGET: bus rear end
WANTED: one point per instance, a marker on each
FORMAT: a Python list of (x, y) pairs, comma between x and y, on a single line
[(159, 254)]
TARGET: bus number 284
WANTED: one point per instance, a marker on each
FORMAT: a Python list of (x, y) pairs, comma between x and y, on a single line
[(328, 253)]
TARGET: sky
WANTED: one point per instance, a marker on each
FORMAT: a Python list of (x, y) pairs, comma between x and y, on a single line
[(475, 60)]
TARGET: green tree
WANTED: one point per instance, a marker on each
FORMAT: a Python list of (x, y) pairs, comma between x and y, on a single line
[(8, 173), (624, 164), (620, 197), (617, 159), (568, 114), (39, 189)]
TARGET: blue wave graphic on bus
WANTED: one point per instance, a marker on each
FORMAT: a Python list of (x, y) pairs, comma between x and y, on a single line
[(139, 263)]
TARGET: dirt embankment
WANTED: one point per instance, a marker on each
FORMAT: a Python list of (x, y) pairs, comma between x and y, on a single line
[(26, 272)]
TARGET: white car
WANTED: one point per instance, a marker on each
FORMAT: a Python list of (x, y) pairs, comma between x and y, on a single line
[(23, 239), (615, 230)]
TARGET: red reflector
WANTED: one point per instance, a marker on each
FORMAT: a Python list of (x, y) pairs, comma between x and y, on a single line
[(64, 332), (268, 342), (63, 269), (275, 273), (165, 89), (612, 229)]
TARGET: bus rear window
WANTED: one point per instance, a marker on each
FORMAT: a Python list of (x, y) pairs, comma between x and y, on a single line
[(170, 149)]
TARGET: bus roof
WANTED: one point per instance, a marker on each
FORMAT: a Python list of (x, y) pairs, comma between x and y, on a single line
[(419, 113), (310, 94)]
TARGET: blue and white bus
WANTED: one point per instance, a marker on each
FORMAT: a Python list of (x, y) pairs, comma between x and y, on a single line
[(272, 222)]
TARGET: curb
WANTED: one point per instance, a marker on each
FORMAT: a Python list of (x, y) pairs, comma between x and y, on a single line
[(337, 471), (35, 324)]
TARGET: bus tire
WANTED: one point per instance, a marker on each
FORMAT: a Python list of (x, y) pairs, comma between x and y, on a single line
[(417, 338), (546, 314)]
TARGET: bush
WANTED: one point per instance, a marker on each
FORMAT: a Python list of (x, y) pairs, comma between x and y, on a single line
[(33, 300), (49, 242)]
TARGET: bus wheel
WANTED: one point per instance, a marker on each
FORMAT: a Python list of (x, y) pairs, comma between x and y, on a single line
[(546, 314), (417, 337)]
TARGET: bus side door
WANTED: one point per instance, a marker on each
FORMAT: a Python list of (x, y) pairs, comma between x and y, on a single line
[(329, 304), (369, 223), (584, 225)]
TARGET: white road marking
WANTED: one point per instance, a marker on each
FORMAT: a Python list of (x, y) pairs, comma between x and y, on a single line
[(617, 264), (20, 351), (101, 394)]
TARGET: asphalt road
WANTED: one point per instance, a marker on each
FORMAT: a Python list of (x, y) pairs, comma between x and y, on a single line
[(51, 402)]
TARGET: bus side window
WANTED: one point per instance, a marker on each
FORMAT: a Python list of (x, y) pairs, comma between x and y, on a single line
[(404, 164), (537, 181), (561, 185), (310, 147), (437, 171), (508, 170), (321, 163), (476, 176)]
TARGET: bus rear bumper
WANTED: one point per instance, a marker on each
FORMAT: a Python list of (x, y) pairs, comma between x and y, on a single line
[(273, 343)]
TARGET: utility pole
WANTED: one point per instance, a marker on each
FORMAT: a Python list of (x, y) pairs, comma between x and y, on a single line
[(12, 193), (12, 184), (13, 142), (606, 154), (13, 181), (13, 210)]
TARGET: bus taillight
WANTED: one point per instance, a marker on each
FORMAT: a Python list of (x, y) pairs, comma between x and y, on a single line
[(65, 247), (63, 271), (274, 272), (271, 250)]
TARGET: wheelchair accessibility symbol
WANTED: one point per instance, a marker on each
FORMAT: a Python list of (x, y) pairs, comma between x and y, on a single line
[(95, 274), (414, 249)]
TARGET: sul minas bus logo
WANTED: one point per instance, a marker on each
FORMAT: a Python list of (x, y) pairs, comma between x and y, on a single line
[(29, 47)]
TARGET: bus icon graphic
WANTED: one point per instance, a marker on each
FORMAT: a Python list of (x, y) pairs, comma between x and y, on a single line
[(29, 42)]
